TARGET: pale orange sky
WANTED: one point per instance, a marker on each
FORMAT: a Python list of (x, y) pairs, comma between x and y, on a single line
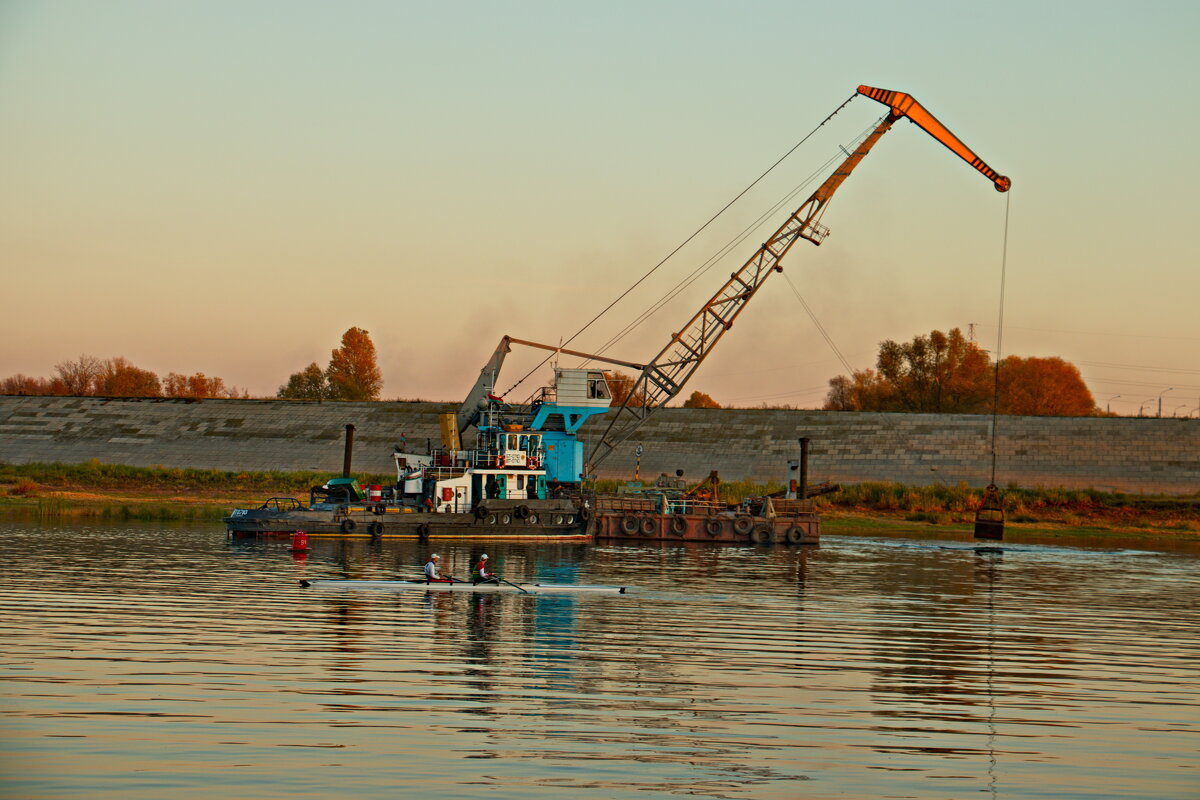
[(227, 187)]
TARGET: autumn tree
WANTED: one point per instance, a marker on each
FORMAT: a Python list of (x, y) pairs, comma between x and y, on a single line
[(699, 399), (940, 373), (79, 377), (947, 374), (24, 384), (353, 373), (1048, 387), (866, 390), (621, 386), (119, 378), (196, 386), (308, 384)]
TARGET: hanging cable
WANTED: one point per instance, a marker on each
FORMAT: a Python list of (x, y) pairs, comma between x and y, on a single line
[(715, 259), (821, 328), (653, 269), (730, 246), (1000, 334)]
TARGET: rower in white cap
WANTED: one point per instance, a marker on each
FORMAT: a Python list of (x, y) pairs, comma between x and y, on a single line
[(481, 573), (431, 571)]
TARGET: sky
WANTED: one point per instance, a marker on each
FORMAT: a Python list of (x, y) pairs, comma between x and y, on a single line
[(226, 187)]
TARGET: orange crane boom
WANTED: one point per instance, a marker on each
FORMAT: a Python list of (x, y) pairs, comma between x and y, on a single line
[(905, 105)]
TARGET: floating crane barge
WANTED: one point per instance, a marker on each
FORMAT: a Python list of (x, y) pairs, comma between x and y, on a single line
[(525, 474)]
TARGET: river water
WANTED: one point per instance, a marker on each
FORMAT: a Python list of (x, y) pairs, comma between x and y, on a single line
[(142, 662)]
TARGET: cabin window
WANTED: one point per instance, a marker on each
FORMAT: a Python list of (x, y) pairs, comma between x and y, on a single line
[(512, 442), (524, 442), (597, 388), (520, 482)]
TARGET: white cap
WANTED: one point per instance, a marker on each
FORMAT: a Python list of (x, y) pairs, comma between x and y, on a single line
[(483, 556), (433, 556)]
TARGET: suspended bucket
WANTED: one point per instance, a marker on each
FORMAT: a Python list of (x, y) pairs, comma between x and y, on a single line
[(989, 519)]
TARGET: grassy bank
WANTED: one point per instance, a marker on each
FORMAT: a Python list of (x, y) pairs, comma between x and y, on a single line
[(93, 490), (899, 506), (116, 492)]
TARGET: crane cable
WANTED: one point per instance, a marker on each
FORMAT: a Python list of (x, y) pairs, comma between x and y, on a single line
[(686, 241), (713, 260), (821, 328), (1000, 333), (733, 243)]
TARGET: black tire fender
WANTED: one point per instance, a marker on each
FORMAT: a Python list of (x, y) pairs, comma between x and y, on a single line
[(743, 525), (679, 524), (629, 525), (348, 525), (648, 526), (713, 527)]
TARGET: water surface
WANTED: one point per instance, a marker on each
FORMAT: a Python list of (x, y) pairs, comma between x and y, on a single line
[(145, 663)]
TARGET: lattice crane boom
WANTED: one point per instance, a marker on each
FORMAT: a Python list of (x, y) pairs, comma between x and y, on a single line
[(664, 376)]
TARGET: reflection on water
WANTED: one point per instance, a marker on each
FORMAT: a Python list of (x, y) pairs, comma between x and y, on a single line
[(148, 663)]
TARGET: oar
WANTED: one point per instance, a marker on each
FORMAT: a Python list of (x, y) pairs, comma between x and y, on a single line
[(510, 583)]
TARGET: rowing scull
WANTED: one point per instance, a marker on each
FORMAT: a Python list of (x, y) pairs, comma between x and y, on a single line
[(460, 586)]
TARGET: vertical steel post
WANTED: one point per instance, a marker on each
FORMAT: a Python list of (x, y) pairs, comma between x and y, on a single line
[(349, 451), (802, 491)]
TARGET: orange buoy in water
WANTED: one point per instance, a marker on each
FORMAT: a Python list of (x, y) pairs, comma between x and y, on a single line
[(299, 542)]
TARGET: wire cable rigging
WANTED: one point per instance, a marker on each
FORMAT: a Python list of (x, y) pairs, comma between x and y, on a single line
[(820, 327), (682, 244), (714, 259), (1000, 333)]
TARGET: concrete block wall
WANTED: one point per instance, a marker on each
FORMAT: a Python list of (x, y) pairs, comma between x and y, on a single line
[(211, 434), (1116, 454), (1112, 454)]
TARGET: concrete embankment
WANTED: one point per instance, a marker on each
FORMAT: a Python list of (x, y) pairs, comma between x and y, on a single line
[(1117, 454)]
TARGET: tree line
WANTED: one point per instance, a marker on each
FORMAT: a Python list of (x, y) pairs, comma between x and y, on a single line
[(945, 373), (88, 376), (938, 373), (352, 374)]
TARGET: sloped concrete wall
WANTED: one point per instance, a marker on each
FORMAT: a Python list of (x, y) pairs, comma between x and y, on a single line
[(1121, 454), (211, 434)]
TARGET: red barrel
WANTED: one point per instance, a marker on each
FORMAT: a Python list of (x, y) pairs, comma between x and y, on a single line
[(299, 541), (375, 493)]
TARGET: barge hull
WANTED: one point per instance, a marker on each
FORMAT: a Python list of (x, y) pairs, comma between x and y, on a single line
[(717, 528), (525, 521)]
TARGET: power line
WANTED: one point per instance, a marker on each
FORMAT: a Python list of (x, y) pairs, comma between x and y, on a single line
[(1095, 333), (1138, 367)]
